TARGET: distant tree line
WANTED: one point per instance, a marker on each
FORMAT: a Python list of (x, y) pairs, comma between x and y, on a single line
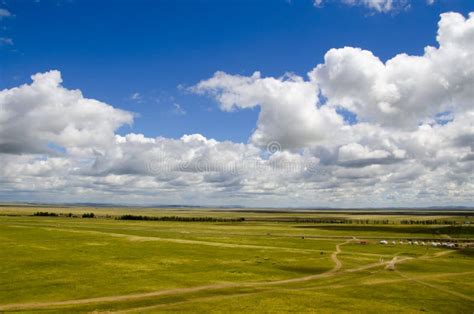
[(180, 218), (45, 214), (429, 222), (362, 221), (323, 220), (326, 220), (51, 214)]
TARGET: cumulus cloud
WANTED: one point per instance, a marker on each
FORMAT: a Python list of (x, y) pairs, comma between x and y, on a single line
[(289, 107), (382, 6), (33, 116), (405, 90), (4, 13), (401, 93), (400, 105), (411, 144)]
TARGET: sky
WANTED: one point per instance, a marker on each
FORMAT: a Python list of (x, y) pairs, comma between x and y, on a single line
[(302, 103)]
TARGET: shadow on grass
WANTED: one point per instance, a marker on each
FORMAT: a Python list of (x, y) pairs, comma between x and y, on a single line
[(306, 270), (469, 252)]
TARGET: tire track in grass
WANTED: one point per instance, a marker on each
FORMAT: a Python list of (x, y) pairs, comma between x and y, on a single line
[(164, 305), (132, 297), (384, 281), (138, 238), (433, 286), (329, 273), (132, 237), (332, 286), (137, 296), (337, 266), (436, 287)]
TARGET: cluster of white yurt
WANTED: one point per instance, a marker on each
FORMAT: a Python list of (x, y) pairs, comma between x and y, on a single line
[(443, 244), (420, 243)]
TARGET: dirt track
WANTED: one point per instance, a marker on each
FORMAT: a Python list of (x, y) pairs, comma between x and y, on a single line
[(325, 287), (129, 297), (436, 287)]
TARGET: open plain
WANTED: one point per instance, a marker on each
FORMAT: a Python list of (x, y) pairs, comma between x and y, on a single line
[(205, 260)]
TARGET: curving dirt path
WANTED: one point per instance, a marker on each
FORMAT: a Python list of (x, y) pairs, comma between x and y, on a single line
[(337, 262), (129, 297), (436, 287), (331, 286), (119, 298), (329, 273)]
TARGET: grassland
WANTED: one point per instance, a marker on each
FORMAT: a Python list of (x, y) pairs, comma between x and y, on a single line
[(267, 263)]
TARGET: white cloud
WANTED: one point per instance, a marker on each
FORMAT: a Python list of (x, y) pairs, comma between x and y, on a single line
[(32, 116), (4, 13), (6, 41), (317, 3), (355, 151), (381, 6), (136, 97), (178, 110), (406, 89), (289, 112), (401, 93), (412, 143)]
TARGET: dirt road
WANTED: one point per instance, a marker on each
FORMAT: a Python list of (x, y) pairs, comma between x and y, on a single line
[(137, 296), (129, 297)]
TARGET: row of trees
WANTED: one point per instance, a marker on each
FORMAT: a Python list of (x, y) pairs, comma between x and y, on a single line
[(429, 222), (329, 220), (294, 220), (180, 218), (326, 220), (50, 214), (45, 214)]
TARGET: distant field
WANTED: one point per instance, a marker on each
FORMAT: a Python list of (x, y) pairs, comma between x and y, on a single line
[(268, 262)]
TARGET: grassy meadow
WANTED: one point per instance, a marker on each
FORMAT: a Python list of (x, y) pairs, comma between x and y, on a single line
[(269, 262)]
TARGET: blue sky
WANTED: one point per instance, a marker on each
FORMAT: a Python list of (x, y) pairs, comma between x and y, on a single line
[(111, 50), (257, 103)]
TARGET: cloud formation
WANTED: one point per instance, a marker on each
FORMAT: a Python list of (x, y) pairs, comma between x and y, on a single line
[(4, 13), (400, 94), (6, 41), (406, 90), (34, 116), (380, 6), (411, 142), (288, 115)]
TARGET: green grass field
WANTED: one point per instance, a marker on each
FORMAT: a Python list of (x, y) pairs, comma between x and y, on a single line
[(267, 263)]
